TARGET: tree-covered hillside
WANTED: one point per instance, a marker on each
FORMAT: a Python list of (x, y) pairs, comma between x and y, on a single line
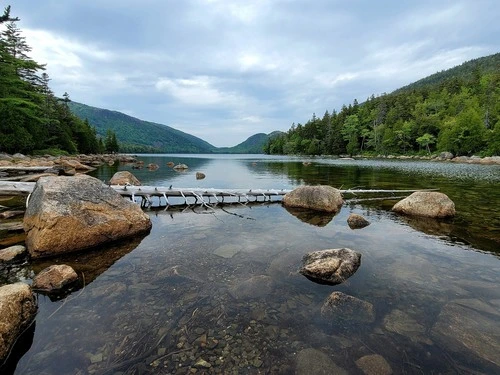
[(136, 135), (254, 144), (457, 110), (32, 119)]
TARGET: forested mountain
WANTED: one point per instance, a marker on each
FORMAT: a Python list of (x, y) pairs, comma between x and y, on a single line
[(253, 145), (457, 110), (32, 119), (140, 136)]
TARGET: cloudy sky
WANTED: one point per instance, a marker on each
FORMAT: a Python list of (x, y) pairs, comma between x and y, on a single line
[(224, 70)]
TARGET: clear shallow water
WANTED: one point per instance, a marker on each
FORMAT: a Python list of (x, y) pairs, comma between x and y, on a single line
[(223, 286)]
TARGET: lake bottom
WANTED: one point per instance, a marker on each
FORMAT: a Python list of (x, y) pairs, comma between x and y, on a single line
[(218, 292)]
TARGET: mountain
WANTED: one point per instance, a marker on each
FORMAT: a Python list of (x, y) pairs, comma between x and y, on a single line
[(136, 135), (456, 110), (467, 71), (253, 145)]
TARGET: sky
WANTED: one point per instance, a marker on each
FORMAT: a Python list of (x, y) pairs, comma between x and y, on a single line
[(224, 70)]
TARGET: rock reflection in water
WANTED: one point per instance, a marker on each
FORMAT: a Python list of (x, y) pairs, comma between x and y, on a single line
[(430, 226), (317, 218), (87, 264)]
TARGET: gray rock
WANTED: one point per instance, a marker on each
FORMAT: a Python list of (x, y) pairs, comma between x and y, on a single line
[(180, 167), (340, 306), (200, 175), (124, 178), (4, 156), (401, 323), (312, 361), (17, 311), (320, 198), (445, 156), (426, 204), (331, 267), (226, 251), (469, 325), (12, 253), (256, 287), (66, 214), (374, 364), (54, 278), (356, 221)]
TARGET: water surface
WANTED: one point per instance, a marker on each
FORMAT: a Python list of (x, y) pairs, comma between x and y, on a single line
[(220, 287)]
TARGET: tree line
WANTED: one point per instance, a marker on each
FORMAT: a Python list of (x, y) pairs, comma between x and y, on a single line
[(459, 113), (32, 119)]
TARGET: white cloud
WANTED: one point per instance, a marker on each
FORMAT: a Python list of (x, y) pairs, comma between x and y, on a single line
[(197, 91)]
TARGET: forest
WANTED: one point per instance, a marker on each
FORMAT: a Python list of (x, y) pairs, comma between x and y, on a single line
[(33, 120), (457, 110)]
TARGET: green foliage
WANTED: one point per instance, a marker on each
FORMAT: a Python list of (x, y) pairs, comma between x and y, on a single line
[(138, 136), (457, 110), (31, 118)]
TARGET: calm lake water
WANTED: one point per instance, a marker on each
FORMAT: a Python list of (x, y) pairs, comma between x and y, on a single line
[(218, 292)]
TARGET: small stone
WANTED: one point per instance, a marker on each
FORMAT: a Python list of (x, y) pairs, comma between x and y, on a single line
[(161, 351), (374, 364), (257, 363), (54, 277), (95, 358), (200, 176), (201, 363), (356, 221)]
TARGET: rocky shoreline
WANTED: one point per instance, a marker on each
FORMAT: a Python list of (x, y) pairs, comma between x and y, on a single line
[(442, 157)]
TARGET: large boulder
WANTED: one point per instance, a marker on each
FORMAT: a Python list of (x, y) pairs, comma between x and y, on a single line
[(426, 204), (68, 214), (331, 267), (343, 307), (124, 178), (17, 311), (54, 278), (320, 198)]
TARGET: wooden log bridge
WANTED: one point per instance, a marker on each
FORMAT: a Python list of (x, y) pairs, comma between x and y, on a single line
[(170, 196)]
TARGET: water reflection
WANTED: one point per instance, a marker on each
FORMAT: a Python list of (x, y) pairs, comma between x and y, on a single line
[(217, 291), (312, 217)]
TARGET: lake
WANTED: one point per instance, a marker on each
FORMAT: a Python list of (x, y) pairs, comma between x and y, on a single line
[(217, 291)]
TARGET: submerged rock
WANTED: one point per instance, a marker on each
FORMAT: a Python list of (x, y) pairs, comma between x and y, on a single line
[(258, 286), (356, 221), (54, 278), (124, 178), (312, 361), (332, 266), (427, 204), (340, 306), (67, 214), (227, 251), (401, 323), (17, 310), (374, 364), (320, 198), (470, 325)]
